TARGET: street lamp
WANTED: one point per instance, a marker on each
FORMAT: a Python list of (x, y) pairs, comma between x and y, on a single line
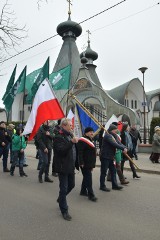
[(143, 69)]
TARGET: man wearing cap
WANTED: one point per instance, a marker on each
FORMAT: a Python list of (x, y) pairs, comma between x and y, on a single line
[(87, 161), (108, 150), (4, 142)]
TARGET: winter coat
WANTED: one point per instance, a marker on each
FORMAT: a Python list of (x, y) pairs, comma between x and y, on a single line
[(109, 145), (63, 153), (42, 140), (127, 143), (86, 153), (135, 135), (18, 142), (4, 138), (156, 143)]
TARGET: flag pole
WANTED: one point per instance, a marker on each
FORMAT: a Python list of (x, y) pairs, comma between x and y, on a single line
[(98, 123), (24, 98)]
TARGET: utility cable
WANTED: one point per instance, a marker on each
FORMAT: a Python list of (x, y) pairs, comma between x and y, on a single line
[(45, 40)]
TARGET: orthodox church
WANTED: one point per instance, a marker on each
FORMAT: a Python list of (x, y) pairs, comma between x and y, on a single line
[(124, 101), (84, 82)]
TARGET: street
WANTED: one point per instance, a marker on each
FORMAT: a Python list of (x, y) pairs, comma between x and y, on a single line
[(28, 209)]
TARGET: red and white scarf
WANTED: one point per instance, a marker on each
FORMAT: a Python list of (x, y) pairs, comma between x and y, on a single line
[(83, 139)]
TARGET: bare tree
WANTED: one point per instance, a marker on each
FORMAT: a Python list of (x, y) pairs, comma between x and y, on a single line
[(10, 34), (40, 1)]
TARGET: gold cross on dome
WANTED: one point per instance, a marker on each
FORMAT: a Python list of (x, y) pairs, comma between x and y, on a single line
[(89, 33), (69, 11)]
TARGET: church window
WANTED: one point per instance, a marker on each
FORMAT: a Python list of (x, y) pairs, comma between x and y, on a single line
[(132, 104), (135, 104)]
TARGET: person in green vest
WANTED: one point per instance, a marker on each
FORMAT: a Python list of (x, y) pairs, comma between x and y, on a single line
[(18, 146)]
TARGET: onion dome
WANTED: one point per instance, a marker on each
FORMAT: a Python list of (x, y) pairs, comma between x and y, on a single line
[(89, 53), (64, 28), (84, 60)]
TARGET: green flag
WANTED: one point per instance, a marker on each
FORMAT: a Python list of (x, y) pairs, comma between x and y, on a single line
[(18, 87), (60, 80), (10, 83), (30, 80), (44, 73)]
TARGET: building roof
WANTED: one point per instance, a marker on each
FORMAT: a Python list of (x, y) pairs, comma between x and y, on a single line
[(157, 106), (152, 94), (69, 53), (91, 56), (118, 93)]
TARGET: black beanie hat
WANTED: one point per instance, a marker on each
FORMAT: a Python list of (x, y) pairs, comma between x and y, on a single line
[(88, 129), (112, 127)]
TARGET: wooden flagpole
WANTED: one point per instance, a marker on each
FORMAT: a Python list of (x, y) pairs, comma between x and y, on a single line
[(98, 123)]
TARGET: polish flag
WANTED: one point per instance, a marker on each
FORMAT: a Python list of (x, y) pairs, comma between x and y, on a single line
[(71, 116), (45, 107)]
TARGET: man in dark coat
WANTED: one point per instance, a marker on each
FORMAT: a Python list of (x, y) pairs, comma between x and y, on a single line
[(44, 140), (65, 157), (108, 150), (5, 139), (87, 161), (135, 136)]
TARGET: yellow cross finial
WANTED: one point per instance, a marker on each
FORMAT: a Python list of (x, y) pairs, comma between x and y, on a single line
[(69, 11), (89, 33)]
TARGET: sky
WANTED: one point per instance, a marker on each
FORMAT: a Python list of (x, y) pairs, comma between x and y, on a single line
[(125, 37)]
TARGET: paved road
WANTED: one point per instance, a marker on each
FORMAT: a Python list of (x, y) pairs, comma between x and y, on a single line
[(29, 211)]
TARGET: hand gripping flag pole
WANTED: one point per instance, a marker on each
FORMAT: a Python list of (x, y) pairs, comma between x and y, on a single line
[(98, 123)]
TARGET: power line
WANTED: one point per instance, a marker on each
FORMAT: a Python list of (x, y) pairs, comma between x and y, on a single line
[(45, 40), (120, 20)]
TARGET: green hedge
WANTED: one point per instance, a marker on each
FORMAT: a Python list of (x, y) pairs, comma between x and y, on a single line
[(155, 122)]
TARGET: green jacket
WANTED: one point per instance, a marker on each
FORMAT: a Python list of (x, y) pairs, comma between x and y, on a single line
[(118, 155), (18, 142)]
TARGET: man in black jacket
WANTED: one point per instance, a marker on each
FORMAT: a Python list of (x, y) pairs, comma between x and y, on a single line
[(87, 161), (108, 150), (5, 139), (65, 157), (44, 140), (135, 134)]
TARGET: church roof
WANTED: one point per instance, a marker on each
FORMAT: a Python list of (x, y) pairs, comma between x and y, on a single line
[(91, 56), (118, 93), (69, 53), (157, 106), (152, 94)]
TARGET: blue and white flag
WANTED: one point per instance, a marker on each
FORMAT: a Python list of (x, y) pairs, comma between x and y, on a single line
[(85, 120)]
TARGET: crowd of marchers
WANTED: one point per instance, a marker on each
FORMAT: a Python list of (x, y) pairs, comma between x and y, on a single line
[(70, 152)]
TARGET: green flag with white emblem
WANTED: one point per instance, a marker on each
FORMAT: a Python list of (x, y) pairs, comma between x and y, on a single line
[(30, 80), (43, 74), (18, 87), (60, 80)]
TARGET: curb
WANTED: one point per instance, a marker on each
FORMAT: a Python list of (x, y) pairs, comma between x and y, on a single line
[(140, 170)]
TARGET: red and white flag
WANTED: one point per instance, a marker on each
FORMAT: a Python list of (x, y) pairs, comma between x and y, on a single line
[(71, 116), (45, 107)]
